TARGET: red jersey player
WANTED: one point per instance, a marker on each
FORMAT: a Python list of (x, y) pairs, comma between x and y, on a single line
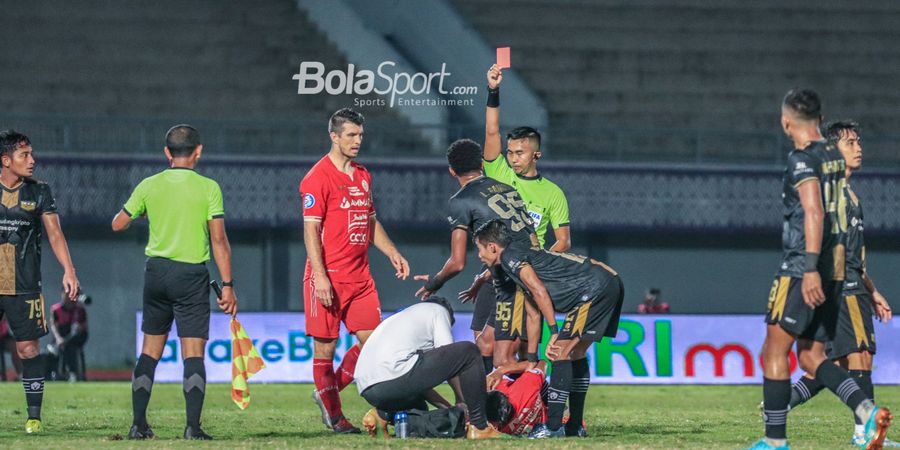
[(515, 406), (338, 225)]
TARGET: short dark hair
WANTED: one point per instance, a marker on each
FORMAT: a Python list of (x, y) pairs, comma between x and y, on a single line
[(804, 102), (182, 140), (11, 140), (464, 156), (493, 232), (438, 300), (526, 133), (342, 116), (497, 408), (836, 130)]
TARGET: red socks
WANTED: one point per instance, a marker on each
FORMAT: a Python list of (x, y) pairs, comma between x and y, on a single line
[(348, 366), (326, 386)]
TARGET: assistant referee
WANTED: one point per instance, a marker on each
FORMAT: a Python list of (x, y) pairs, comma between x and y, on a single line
[(185, 212)]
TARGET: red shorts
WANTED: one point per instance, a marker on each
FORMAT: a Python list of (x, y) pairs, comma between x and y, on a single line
[(355, 304)]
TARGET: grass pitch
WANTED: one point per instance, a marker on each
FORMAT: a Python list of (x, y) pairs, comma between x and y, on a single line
[(98, 415)]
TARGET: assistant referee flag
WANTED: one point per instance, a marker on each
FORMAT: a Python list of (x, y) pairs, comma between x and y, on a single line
[(245, 362)]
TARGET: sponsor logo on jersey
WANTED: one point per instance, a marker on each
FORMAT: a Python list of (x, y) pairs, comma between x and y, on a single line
[(347, 204), (308, 201), (356, 192), (358, 226)]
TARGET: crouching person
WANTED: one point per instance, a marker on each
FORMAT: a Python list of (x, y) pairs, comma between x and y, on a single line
[(411, 353)]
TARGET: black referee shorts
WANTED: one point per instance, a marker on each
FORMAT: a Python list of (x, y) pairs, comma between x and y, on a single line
[(176, 291)]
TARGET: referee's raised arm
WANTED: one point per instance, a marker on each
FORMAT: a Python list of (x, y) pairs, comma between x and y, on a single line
[(187, 217)]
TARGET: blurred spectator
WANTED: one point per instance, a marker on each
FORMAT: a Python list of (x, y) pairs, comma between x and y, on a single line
[(68, 322), (652, 303), (8, 344)]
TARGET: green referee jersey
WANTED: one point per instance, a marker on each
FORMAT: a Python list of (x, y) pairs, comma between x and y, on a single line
[(545, 201), (178, 203)]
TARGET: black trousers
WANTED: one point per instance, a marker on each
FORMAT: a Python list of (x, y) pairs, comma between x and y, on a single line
[(71, 353), (460, 359)]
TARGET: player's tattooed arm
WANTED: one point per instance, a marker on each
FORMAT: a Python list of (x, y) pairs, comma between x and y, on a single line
[(384, 243), (814, 216), (492, 141), (60, 248)]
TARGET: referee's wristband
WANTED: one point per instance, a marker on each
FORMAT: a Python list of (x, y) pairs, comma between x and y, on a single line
[(493, 100), (434, 283), (811, 262), (228, 284), (532, 357), (554, 329)]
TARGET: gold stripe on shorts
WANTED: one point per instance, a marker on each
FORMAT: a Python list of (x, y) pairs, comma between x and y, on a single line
[(859, 330), (518, 311), (780, 297), (580, 319)]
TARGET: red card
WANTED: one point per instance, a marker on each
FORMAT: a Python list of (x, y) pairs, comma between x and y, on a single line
[(503, 57)]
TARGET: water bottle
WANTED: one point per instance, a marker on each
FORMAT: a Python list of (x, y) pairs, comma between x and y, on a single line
[(401, 425)]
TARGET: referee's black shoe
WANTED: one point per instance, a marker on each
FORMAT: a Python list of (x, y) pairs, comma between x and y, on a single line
[(196, 434), (138, 432)]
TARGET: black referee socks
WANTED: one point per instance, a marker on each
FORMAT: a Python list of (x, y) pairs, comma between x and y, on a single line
[(141, 386), (33, 381), (194, 390)]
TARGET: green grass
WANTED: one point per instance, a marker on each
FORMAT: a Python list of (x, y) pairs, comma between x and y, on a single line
[(97, 415)]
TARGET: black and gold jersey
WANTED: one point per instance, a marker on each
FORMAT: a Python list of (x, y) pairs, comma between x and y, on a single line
[(824, 164), (21, 231), (854, 244), (484, 199), (570, 279)]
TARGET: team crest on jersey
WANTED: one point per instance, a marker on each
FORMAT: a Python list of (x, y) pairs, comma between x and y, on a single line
[(28, 206), (308, 201), (365, 185)]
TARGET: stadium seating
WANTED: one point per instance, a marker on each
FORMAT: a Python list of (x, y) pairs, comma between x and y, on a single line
[(652, 79), (74, 71)]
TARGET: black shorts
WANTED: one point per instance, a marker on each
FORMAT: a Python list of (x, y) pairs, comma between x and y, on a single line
[(787, 309), (485, 303), (179, 291), (855, 327), (25, 314), (509, 317), (598, 318)]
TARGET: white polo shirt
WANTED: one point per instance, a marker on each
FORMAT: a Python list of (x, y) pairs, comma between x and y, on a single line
[(391, 350)]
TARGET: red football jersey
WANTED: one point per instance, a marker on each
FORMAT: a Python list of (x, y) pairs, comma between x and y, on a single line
[(343, 203), (525, 396)]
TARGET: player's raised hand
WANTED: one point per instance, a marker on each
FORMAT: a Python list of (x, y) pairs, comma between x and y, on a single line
[(813, 295), (882, 308), (494, 76), (228, 302), (423, 293), (471, 293), (323, 291), (400, 264)]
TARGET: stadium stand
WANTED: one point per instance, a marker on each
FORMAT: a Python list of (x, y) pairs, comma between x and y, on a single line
[(690, 79), (93, 76)]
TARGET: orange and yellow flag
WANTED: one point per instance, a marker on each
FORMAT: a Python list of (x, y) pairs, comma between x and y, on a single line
[(245, 362)]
